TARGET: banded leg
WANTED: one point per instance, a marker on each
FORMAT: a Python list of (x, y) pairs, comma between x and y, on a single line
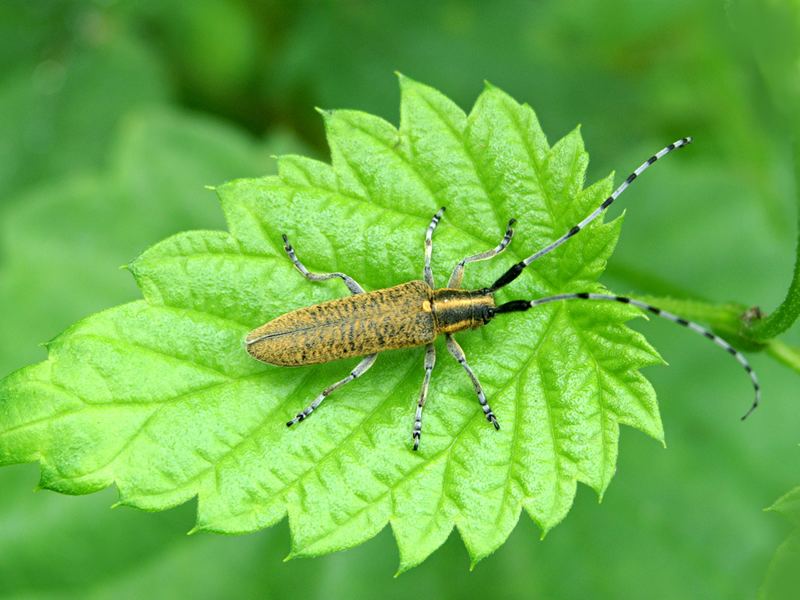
[(516, 269), (427, 273), (458, 271), (351, 283), (522, 305), (357, 372), (430, 361), (458, 354)]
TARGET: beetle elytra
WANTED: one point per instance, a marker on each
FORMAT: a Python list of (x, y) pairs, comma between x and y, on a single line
[(415, 313)]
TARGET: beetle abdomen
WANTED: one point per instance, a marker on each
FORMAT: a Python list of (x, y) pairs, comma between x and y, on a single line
[(387, 319)]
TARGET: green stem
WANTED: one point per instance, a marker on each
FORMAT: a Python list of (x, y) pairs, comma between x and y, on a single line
[(725, 319), (784, 353), (726, 316), (787, 313)]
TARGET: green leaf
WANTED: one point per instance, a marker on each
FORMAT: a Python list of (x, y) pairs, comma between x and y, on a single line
[(60, 110), (782, 577), (50, 274), (159, 397), (788, 506)]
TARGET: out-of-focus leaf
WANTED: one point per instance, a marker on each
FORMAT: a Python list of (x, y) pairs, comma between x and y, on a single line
[(783, 577), (161, 163), (58, 114)]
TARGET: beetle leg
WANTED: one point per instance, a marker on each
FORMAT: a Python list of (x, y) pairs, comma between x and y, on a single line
[(458, 271), (357, 372), (427, 272), (458, 354), (351, 283), (430, 360)]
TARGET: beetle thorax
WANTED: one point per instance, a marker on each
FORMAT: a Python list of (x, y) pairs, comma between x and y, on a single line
[(456, 310)]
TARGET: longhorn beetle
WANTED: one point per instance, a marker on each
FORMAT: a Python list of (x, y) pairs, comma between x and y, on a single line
[(415, 313)]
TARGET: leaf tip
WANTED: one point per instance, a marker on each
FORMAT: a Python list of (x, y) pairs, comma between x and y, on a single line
[(211, 188), (475, 559), (48, 344), (406, 82), (774, 507), (122, 503), (325, 112), (401, 568), (44, 484), (196, 529)]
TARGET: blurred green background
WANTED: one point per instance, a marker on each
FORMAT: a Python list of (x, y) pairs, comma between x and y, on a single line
[(114, 115)]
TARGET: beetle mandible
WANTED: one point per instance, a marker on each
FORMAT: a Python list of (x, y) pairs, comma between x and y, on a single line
[(415, 313)]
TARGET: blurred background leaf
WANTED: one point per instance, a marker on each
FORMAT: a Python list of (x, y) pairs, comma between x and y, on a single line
[(99, 98), (783, 577)]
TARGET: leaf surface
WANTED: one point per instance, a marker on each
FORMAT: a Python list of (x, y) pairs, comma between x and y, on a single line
[(782, 577), (159, 397)]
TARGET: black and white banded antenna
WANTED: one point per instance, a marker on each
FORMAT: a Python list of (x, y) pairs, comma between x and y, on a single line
[(516, 269), (522, 305)]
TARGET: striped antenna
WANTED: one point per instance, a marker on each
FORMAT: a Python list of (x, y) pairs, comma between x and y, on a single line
[(516, 269), (521, 305)]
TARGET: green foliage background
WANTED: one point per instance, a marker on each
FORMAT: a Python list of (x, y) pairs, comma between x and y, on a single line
[(114, 115)]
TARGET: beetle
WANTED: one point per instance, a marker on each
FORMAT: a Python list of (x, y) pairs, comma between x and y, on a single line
[(416, 313)]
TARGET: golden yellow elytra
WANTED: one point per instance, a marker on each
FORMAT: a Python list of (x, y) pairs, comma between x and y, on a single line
[(415, 313), (407, 315)]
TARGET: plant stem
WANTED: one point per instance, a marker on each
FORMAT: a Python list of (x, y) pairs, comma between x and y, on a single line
[(787, 313), (784, 353)]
